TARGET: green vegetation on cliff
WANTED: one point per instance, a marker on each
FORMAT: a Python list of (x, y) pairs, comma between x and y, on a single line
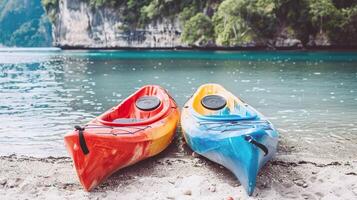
[(242, 22), (24, 23), (198, 29)]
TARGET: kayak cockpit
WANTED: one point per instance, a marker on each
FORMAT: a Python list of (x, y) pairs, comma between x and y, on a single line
[(143, 107), (213, 102)]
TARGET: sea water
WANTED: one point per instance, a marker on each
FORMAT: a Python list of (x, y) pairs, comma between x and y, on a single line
[(310, 97)]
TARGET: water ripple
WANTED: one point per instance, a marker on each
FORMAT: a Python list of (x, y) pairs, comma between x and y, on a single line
[(42, 96)]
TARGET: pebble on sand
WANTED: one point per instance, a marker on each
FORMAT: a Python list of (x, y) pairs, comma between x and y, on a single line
[(3, 182), (195, 155), (301, 183), (188, 192), (212, 188)]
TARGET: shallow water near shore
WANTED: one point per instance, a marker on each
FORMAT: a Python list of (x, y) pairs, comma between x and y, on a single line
[(311, 97)]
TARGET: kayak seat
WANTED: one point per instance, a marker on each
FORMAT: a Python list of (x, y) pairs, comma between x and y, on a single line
[(127, 120), (148, 103), (213, 102)]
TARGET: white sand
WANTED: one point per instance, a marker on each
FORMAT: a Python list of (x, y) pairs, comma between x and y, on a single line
[(183, 177)]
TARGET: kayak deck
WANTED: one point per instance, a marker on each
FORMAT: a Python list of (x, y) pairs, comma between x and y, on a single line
[(236, 136)]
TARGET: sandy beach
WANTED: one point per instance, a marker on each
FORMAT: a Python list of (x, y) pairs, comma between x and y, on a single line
[(177, 173)]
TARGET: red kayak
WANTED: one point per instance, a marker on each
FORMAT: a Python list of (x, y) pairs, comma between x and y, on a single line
[(141, 126)]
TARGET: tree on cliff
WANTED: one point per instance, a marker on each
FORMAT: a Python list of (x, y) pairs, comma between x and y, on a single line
[(198, 30)]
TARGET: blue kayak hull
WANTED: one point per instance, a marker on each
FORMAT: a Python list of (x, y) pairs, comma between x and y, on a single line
[(237, 136), (243, 159)]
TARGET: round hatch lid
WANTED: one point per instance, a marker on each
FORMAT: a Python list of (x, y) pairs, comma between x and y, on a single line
[(147, 103), (213, 102)]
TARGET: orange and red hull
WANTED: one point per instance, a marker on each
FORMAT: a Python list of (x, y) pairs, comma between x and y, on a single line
[(112, 146)]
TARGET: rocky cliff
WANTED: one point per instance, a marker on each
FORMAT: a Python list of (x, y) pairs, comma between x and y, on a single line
[(78, 25), (203, 23)]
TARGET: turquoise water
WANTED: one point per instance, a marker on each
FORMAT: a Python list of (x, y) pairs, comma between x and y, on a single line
[(311, 97)]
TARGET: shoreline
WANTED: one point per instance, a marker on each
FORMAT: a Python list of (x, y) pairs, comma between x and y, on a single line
[(183, 176), (180, 48), (217, 48)]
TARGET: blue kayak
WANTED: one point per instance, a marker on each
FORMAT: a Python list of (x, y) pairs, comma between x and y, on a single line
[(221, 127)]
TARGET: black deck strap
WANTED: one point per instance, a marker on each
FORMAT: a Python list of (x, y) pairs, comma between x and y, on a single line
[(82, 141), (250, 139)]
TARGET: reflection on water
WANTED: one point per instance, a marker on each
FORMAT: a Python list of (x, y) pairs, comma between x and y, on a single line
[(310, 97)]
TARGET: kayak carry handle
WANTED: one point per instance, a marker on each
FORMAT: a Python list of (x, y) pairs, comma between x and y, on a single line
[(250, 139), (82, 141)]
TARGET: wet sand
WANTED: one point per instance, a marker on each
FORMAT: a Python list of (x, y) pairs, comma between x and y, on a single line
[(179, 174)]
